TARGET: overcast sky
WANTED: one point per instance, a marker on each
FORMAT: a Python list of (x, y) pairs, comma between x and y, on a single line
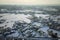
[(31, 2)]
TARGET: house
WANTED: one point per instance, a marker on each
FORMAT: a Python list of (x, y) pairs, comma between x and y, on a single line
[(55, 22)]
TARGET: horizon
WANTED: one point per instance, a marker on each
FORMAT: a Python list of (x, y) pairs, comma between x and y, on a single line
[(26, 5)]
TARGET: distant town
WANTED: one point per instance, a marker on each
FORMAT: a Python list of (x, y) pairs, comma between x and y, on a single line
[(29, 22)]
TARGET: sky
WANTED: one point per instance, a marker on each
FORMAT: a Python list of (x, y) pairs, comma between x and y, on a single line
[(31, 2)]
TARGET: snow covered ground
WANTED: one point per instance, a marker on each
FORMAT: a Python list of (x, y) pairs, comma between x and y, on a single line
[(11, 18)]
